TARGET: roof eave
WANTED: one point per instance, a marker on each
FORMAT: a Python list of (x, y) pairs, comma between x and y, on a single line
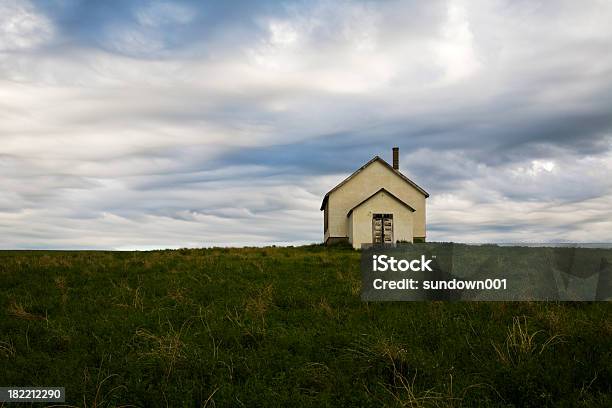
[(324, 201), (405, 204), (375, 158)]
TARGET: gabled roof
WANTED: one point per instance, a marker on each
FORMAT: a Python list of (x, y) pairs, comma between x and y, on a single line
[(376, 193), (375, 158)]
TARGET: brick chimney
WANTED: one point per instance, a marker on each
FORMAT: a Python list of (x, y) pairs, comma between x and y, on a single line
[(396, 158)]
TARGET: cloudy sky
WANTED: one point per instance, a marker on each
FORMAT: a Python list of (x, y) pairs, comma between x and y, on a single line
[(148, 124)]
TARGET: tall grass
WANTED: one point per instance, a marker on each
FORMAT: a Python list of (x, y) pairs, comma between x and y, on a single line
[(281, 327)]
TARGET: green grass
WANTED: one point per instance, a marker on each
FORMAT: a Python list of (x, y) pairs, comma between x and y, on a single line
[(281, 327)]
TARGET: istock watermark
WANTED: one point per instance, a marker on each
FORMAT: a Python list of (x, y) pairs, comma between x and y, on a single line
[(384, 263), (449, 271)]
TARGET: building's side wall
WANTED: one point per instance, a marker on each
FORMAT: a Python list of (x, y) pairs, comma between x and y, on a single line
[(363, 185), (360, 231), (326, 222)]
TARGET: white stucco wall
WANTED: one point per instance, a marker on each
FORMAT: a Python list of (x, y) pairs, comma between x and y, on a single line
[(360, 222)]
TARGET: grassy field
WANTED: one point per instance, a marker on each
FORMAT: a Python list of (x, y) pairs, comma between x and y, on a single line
[(281, 327)]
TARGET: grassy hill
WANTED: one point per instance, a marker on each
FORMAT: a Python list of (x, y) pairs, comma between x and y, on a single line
[(278, 327)]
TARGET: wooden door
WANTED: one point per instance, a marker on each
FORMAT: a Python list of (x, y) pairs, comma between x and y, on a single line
[(382, 229)]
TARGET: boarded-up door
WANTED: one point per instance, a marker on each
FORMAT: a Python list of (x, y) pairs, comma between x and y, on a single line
[(382, 228)]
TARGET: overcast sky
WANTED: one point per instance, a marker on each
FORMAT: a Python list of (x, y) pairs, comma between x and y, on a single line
[(136, 124)]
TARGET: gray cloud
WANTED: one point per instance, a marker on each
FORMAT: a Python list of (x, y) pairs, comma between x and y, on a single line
[(165, 124)]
